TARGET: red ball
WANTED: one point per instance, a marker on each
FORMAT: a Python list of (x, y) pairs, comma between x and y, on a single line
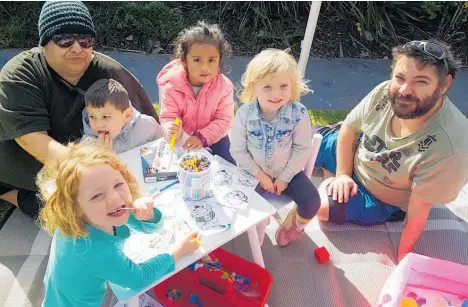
[(322, 254)]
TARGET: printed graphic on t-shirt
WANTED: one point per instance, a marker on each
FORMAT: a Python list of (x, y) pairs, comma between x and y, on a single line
[(427, 143), (374, 143), (382, 103), (388, 160)]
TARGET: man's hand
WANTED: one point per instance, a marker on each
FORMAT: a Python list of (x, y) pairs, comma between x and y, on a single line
[(105, 139), (416, 218), (193, 143), (341, 188), (280, 186)]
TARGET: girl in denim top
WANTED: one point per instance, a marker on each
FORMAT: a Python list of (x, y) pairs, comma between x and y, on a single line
[(271, 136)]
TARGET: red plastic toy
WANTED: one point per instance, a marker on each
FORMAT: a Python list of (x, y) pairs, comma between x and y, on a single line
[(322, 254), (212, 289)]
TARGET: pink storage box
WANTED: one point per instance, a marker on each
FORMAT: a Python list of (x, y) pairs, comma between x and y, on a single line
[(431, 282)]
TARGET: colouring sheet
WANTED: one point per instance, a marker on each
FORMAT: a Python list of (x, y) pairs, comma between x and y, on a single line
[(180, 218), (144, 301), (231, 186)]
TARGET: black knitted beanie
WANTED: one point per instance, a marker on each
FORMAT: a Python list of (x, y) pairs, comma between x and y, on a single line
[(59, 17)]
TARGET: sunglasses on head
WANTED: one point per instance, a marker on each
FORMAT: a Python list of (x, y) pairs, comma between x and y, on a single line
[(67, 40), (430, 48)]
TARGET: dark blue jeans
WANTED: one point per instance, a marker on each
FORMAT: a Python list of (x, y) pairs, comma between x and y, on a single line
[(362, 208), (221, 148)]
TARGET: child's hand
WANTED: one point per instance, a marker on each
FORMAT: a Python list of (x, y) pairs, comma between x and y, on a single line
[(265, 182), (143, 208), (280, 186), (187, 246), (177, 130), (193, 143), (105, 139)]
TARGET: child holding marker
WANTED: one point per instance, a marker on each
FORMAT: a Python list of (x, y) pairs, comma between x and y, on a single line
[(87, 195), (193, 89), (271, 136)]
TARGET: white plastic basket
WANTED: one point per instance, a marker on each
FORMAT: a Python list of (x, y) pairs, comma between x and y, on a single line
[(195, 185)]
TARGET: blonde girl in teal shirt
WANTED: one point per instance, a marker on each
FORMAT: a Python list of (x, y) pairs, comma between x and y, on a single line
[(84, 194)]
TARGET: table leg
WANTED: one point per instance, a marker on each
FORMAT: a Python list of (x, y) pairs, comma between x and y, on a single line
[(261, 230), (255, 246), (133, 302)]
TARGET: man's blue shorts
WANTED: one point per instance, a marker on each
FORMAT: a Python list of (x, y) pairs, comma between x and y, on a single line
[(363, 208)]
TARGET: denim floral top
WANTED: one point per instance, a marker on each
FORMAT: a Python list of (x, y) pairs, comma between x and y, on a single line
[(279, 147)]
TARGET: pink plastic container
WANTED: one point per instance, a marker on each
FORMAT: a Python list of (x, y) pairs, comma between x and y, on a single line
[(428, 281)]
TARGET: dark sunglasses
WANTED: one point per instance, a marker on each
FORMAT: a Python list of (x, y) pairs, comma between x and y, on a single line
[(430, 48), (67, 40)]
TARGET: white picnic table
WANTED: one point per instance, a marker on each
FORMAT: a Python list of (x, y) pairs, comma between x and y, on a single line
[(257, 212)]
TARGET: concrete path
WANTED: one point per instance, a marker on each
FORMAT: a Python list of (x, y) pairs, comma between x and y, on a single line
[(337, 83)]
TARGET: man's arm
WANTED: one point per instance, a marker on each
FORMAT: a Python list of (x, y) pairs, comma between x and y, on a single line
[(344, 150), (418, 211), (343, 185), (41, 146)]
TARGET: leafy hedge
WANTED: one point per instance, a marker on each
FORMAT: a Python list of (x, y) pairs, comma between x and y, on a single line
[(252, 26)]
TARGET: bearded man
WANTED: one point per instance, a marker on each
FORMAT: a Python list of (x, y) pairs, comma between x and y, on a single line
[(401, 150)]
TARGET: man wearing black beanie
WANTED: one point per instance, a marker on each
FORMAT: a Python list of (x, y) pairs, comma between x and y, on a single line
[(42, 97)]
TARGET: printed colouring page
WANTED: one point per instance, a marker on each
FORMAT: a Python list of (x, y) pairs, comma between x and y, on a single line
[(231, 186), (181, 217)]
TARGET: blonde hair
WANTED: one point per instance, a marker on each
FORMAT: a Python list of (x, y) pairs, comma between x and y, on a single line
[(58, 183), (271, 62)]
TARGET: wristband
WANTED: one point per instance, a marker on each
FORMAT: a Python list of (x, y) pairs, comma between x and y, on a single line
[(202, 139)]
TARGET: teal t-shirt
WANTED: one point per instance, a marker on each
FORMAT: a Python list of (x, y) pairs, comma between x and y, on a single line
[(78, 270)]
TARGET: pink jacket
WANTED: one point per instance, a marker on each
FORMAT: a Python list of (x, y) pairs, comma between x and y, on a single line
[(210, 114)]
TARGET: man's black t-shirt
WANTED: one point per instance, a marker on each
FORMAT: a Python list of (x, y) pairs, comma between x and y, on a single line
[(33, 98)]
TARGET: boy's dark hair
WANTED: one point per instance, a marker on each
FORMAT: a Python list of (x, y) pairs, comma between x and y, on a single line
[(448, 65), (107, 90), (202, 33)]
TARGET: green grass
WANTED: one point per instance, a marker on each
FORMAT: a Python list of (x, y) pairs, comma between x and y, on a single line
[(319, 117)]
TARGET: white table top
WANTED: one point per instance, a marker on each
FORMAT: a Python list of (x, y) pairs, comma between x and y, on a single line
[(258, 210)]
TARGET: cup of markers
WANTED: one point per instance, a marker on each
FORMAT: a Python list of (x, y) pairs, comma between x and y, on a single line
[(194, 176)]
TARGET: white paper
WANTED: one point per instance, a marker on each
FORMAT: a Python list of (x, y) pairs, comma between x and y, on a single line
[(181, 217), (231, 186), (145, 301)]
